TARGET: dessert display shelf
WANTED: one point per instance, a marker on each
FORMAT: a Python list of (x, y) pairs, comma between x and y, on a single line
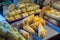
[(19, 19), (20, 11), (53, 21)]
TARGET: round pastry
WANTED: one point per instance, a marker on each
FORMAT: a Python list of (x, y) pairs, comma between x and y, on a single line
[(21, 5), (17, 17), (32, 12), (10, 18), (38, 10), (11, 7), (24, 14), (36, 7), (30, 8), (27, 4), (18, 11), (23, 9), (12, 13)]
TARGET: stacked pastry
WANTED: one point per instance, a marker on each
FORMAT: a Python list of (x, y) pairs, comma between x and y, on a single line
[(53, 13), (53, 16), (30, 8), (56, 4), (13, 15), (33, 24), (21, 10)]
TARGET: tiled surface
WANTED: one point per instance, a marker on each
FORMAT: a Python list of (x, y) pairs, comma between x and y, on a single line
[(50, 32)]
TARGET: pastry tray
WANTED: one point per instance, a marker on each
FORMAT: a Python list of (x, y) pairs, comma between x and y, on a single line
[(53, 17), (53, 21)]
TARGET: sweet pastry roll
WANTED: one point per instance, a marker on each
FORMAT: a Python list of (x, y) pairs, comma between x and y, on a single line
[(41, 31), (34, 25), (29, 29), (24, 33)]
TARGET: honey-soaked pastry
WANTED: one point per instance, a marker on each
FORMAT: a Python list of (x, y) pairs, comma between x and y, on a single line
[(24, 33), (30, 18), (29, 29), (36, 19), (41, 31), (42, 21), (42, 12), (35, 25)]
